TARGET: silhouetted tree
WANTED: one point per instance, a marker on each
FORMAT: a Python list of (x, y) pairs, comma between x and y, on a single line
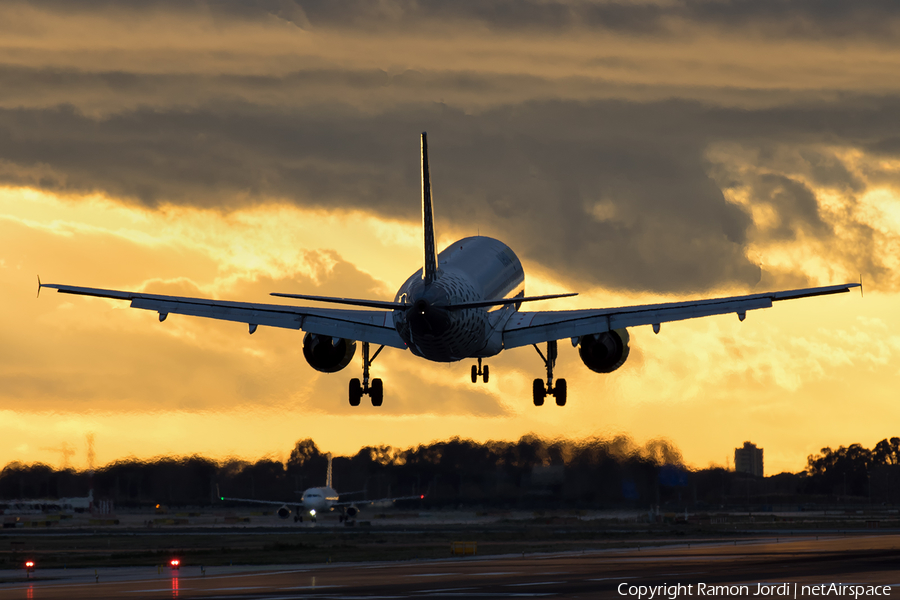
[(887, 452), (841, 472)]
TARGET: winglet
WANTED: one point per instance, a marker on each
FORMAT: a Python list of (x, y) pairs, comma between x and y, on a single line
[(39, 286), (429, 271), (861, 294)]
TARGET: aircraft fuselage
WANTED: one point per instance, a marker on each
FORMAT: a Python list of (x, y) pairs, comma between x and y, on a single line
[(472, 269), (319, 499)]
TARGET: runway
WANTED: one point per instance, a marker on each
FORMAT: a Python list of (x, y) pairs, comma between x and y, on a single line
[(861, 559)]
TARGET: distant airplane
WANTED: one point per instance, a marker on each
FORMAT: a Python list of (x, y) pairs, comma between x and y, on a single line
[(320, 500), (74, 504), (463, 303)]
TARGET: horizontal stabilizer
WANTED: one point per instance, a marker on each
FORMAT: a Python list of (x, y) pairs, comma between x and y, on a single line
[(484, 303), (347, 301), (402, 306)]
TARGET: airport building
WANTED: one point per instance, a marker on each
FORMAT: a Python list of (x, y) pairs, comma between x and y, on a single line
[(749, 459)]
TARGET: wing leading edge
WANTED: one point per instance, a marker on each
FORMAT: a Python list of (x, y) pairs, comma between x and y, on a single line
[(526, 328), (373, 326)]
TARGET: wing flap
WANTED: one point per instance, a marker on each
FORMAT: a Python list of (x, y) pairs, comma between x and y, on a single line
[(386, 336), (222, 313)]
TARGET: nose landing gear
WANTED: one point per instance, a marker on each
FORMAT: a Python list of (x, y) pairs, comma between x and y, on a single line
[(359, 389), (479, 371), (539, 390)]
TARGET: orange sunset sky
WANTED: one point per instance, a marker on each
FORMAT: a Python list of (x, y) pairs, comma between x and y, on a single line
[(634, 152)]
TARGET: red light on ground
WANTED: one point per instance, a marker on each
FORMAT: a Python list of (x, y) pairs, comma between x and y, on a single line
[(175, 563), (29, 564), (422, 497)]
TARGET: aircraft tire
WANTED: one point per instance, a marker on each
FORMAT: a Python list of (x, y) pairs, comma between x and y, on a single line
[(487, 373), (474, 374), (538, 392), (376, 392), (560, 392), (355, 392)]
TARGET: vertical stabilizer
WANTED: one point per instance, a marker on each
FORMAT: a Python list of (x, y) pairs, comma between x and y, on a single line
[(328, 477), (429, 272)]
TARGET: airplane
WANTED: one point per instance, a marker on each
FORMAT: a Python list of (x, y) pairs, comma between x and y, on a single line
[(319, 500), (464, 303), (77, 504)]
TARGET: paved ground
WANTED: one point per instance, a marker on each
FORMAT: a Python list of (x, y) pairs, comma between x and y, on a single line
[(867, 560)]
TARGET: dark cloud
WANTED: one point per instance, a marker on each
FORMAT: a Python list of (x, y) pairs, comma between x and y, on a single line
[(769, 18), (606, 192), (793, 201)]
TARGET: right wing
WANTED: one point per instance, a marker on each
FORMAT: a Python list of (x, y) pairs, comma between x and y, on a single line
[(526, 328), (373, 326)]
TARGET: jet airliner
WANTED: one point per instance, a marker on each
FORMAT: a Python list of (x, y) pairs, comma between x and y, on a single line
[(75, 504), (464, 303), (320, 500)]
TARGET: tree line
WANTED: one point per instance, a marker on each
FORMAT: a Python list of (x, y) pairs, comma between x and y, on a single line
[(529, 473)]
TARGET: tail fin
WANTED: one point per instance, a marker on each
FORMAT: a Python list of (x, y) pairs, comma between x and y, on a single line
[(429, 273), (328, 477)]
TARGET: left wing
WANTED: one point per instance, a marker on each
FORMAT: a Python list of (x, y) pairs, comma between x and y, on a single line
[(374, 326), (526, 328), (274, 502)]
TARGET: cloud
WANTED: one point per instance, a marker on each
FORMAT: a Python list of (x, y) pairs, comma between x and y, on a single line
[(103, 357), (623, 149), (806, 18), (532, 174)]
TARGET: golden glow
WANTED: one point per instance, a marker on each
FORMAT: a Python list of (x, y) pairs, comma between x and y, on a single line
[(196, 386), (791, 379)]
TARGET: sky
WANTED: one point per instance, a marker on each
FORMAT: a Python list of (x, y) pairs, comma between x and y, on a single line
[(634, 152)]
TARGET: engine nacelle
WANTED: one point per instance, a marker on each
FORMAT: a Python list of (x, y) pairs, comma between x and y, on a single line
[(284, 512), (604, 352), (352, 511), (327, 354)]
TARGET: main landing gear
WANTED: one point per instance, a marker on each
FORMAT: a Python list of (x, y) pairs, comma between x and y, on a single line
[(357, 389), (479, 371), (541, 391)]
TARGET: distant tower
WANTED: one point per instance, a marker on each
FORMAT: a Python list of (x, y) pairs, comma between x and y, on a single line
[(749, 459)]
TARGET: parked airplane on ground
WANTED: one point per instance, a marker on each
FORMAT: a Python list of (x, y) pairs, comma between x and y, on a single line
[(320, 500), (77, 504), (463, 303)]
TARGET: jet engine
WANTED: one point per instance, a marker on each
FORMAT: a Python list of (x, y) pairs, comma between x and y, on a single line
[(284, 512), (352, 511), (327, 354), (604, 352)]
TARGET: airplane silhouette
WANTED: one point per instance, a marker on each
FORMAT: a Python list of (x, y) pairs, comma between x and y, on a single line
[(464, 303)]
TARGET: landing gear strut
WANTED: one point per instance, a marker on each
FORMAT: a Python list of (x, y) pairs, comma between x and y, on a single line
[(358, 390), (540, 391), (479, 371)]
